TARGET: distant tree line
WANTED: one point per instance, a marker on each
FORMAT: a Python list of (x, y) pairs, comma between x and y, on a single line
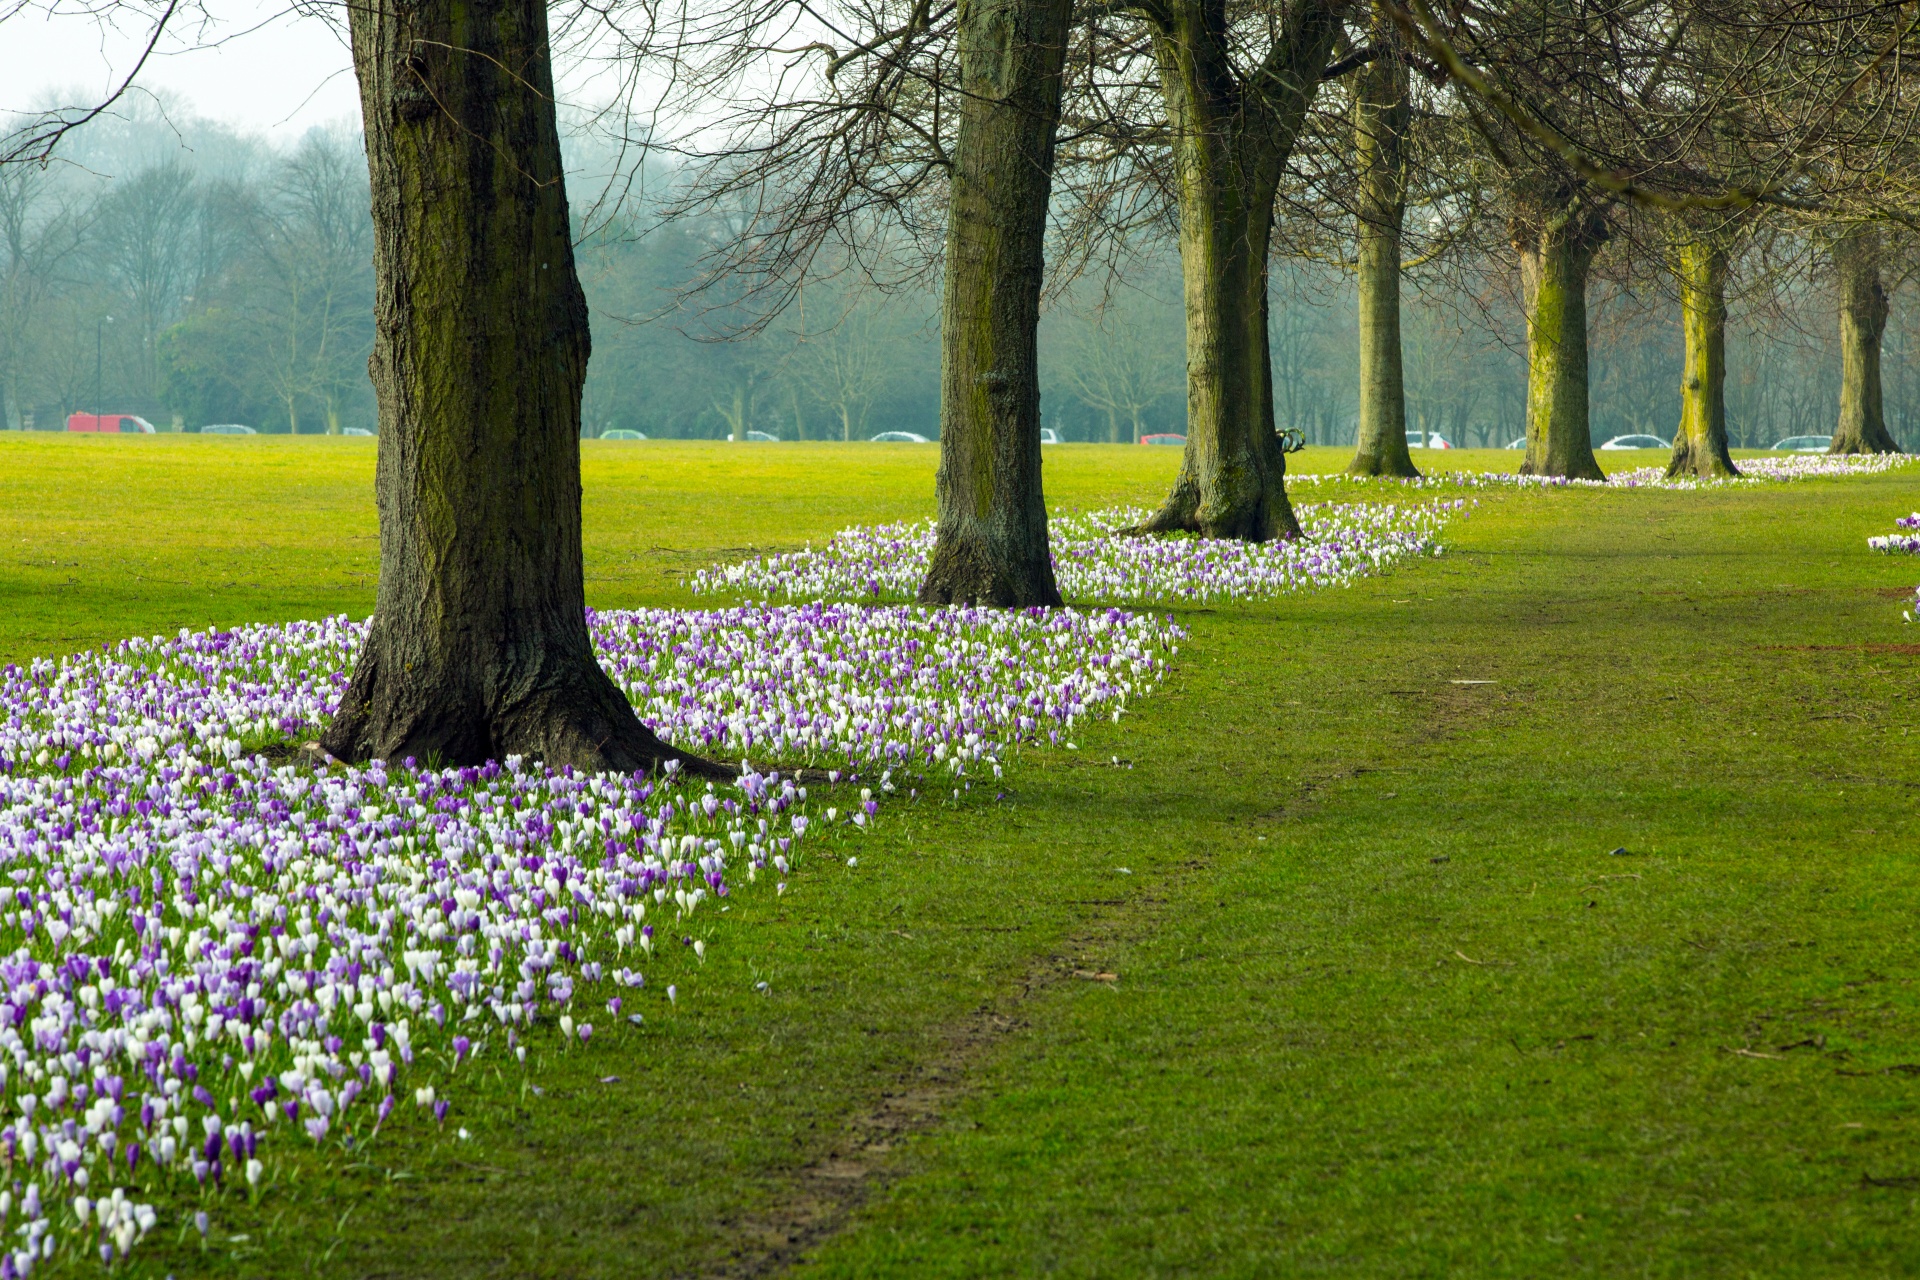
[(195, 277)]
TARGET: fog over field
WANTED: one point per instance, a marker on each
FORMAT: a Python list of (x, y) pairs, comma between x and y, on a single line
[(202, 255)]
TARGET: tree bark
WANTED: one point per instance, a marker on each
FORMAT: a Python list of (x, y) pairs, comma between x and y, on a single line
[(1700, 446), (1382, 112), (1556, 240), (1863, 319), (990, 541), (479, 646), (1231, 141)]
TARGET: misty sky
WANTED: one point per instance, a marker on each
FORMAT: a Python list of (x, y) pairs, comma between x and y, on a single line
[(261, 68)]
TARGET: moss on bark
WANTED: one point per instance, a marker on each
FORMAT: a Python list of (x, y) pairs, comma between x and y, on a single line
[(1381, 113), (1556, 236), (1700, 445), (1863, 319)]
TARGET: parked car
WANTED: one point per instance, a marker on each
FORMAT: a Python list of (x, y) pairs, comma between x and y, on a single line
[(1637, 442), (128, 424), (1521, 443), (763, 437), (1164, 437), (1804, 444), (622, 433), (228, 429), (1049, 436), (1430, 440), (900, 437), (355, 431)]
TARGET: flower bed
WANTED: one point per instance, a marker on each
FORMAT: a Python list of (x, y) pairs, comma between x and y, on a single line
[(1799, 466), (887, 562), (203, 955)]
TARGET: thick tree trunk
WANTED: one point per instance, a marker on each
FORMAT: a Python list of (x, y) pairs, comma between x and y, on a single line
[(1382, 111), (479, 646), (1556, 246), (990, 542), (1230, 144), (1700, 446), (1863, 319)]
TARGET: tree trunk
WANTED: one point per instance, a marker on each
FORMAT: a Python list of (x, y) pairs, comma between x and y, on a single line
[(479, 646), (799, 422), (1230, 144), (990, 542), (1382, 111), (737, 420), (1556, 245), (1863, 318), (1700, 446)]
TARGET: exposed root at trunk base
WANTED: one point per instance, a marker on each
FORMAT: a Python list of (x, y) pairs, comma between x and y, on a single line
[(1364, 465), (561, 715), (1261, 516), (964, 572), (1867, 442), (1706, 463), (1582, 469)]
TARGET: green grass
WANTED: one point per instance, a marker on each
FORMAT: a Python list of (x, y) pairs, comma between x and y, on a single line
[(1385, 1004)]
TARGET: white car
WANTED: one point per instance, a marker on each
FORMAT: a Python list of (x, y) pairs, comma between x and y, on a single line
[(1049, 436), (1521, 443), (763, 437), (355, 431), (1637, 442), (622, 433), (900, 437), (1804, 444), (1430, 440), (228, 429)]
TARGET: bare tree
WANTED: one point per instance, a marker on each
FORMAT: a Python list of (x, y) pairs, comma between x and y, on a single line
[(312, 247), (1114, 367), (40, 228), (148, 235), (847, 366)]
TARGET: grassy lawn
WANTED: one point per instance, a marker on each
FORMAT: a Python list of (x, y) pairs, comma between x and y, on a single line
[(1319, 962)]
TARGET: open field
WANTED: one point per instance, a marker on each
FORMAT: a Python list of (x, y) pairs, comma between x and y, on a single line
[(1366, 991), (123, 535)]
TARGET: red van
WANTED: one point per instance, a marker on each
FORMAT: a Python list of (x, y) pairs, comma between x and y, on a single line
[(123, 423)]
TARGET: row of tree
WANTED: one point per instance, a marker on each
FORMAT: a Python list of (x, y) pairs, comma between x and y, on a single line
[(976, 137), (222, 281), (1663, 145)]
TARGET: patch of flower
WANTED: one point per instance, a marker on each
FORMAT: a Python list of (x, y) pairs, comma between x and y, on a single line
[(205, 956), (1798, 466), (837, 687), (1900, 542), (853, 687), (1093, 561)]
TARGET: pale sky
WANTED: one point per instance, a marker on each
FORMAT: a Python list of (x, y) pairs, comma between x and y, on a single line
[(260, 67)]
